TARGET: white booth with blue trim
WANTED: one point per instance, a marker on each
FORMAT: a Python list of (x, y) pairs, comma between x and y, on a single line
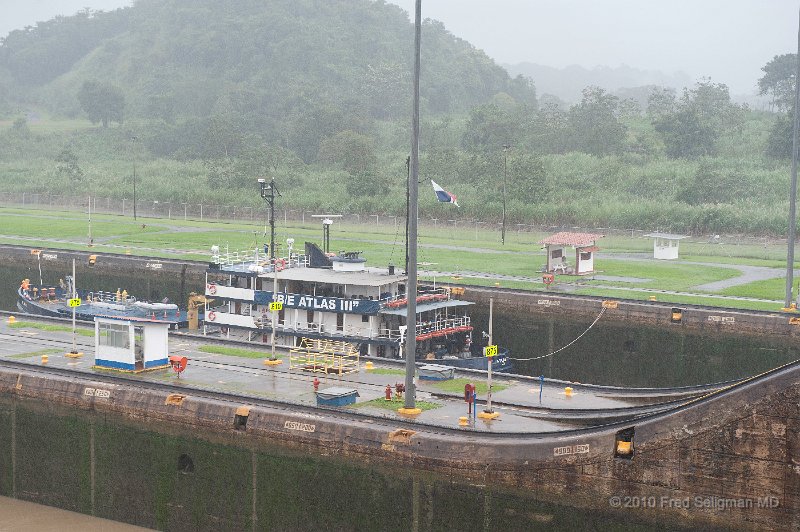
[(131, 344)]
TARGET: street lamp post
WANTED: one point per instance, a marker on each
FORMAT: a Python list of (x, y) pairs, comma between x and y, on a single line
[(505, 177), (134, 175), (268, 192)]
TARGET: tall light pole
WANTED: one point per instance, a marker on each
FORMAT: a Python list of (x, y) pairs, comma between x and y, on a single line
[(409, 404), (133, 148), (505, 177), (268, 192), (793, 192)]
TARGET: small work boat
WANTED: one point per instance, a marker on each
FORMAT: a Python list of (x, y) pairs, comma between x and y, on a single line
[(54, 301)]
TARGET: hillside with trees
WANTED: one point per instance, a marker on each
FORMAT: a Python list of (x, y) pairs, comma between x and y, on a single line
[(206, 96)]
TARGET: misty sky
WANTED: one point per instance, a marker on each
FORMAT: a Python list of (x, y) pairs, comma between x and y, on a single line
[(728, 40)]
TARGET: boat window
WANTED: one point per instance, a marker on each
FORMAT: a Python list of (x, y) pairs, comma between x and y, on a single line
[(365, 318), (310, 317), (114, 335)]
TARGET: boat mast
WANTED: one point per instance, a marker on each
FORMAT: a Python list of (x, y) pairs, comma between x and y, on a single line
[(793, 194), (411, 307)]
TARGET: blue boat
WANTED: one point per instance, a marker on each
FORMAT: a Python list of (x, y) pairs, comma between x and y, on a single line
[(53, 301)]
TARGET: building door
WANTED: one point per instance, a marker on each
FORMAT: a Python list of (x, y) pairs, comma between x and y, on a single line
[(138, 348)]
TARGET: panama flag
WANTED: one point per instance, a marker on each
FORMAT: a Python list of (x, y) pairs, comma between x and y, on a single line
[(443, 195)]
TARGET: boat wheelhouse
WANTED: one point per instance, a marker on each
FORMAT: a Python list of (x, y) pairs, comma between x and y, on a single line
[(333, 297)]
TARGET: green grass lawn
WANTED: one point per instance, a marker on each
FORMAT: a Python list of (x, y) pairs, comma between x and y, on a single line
[(394, 404), (443, 247), (457, 386), (237, 352), (51, 328)]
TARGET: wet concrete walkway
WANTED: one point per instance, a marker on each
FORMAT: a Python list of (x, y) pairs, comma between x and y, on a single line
[(516, 398)]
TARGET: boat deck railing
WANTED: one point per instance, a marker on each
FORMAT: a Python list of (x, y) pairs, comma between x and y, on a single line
[(424, 294), (456, 324), (119, 298), (257, 258)]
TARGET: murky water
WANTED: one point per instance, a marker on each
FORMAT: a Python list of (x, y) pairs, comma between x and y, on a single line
[(23, 516)]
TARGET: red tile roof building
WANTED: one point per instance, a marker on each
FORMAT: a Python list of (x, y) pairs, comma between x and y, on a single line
[(584, 245)]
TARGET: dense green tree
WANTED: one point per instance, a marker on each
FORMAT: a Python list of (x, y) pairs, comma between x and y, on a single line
[(594, 124), (527, 178), (778, 81), (685, 135), (355, 154), (694, 125), (660, 102), (779, 142), (67, 167), (493, 125), (714, 183), (102, 102)]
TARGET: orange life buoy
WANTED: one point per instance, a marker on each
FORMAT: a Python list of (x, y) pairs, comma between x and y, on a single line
[(548, 278), (212, 316), (280, 264)]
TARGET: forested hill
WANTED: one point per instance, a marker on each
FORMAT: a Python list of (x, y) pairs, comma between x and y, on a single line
[(262, 58)]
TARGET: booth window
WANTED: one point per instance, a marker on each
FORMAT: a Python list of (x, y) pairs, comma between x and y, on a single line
[(114, 335)]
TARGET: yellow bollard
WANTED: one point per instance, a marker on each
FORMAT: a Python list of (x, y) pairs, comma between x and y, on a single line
[(652, 298), (12, 319), (369, 365), (568, 391), (462, 421), (44, 359)]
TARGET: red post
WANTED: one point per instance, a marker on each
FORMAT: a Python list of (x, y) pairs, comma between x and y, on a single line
[(316, 384), (388, 392)]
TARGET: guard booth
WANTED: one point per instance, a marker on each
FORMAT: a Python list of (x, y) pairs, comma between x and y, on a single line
[(665, 245), (130, 344)]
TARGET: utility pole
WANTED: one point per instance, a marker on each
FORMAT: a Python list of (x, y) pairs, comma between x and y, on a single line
[(793, 193), (505, 177), (134, 175)]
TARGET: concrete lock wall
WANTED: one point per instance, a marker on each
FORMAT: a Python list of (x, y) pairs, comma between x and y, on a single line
[(693, 317), (186, 462)]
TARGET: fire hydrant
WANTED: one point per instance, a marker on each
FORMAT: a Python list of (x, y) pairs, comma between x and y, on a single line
[(388, 392), (399, 388), (316, 384)]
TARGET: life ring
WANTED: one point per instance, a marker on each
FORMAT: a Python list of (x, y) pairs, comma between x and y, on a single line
[(280, 265), (212, 316), (211, 288), (548, 278)]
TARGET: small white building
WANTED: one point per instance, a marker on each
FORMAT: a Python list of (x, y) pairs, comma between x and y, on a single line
[(584, 247), (665, 245), (131, 344)]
